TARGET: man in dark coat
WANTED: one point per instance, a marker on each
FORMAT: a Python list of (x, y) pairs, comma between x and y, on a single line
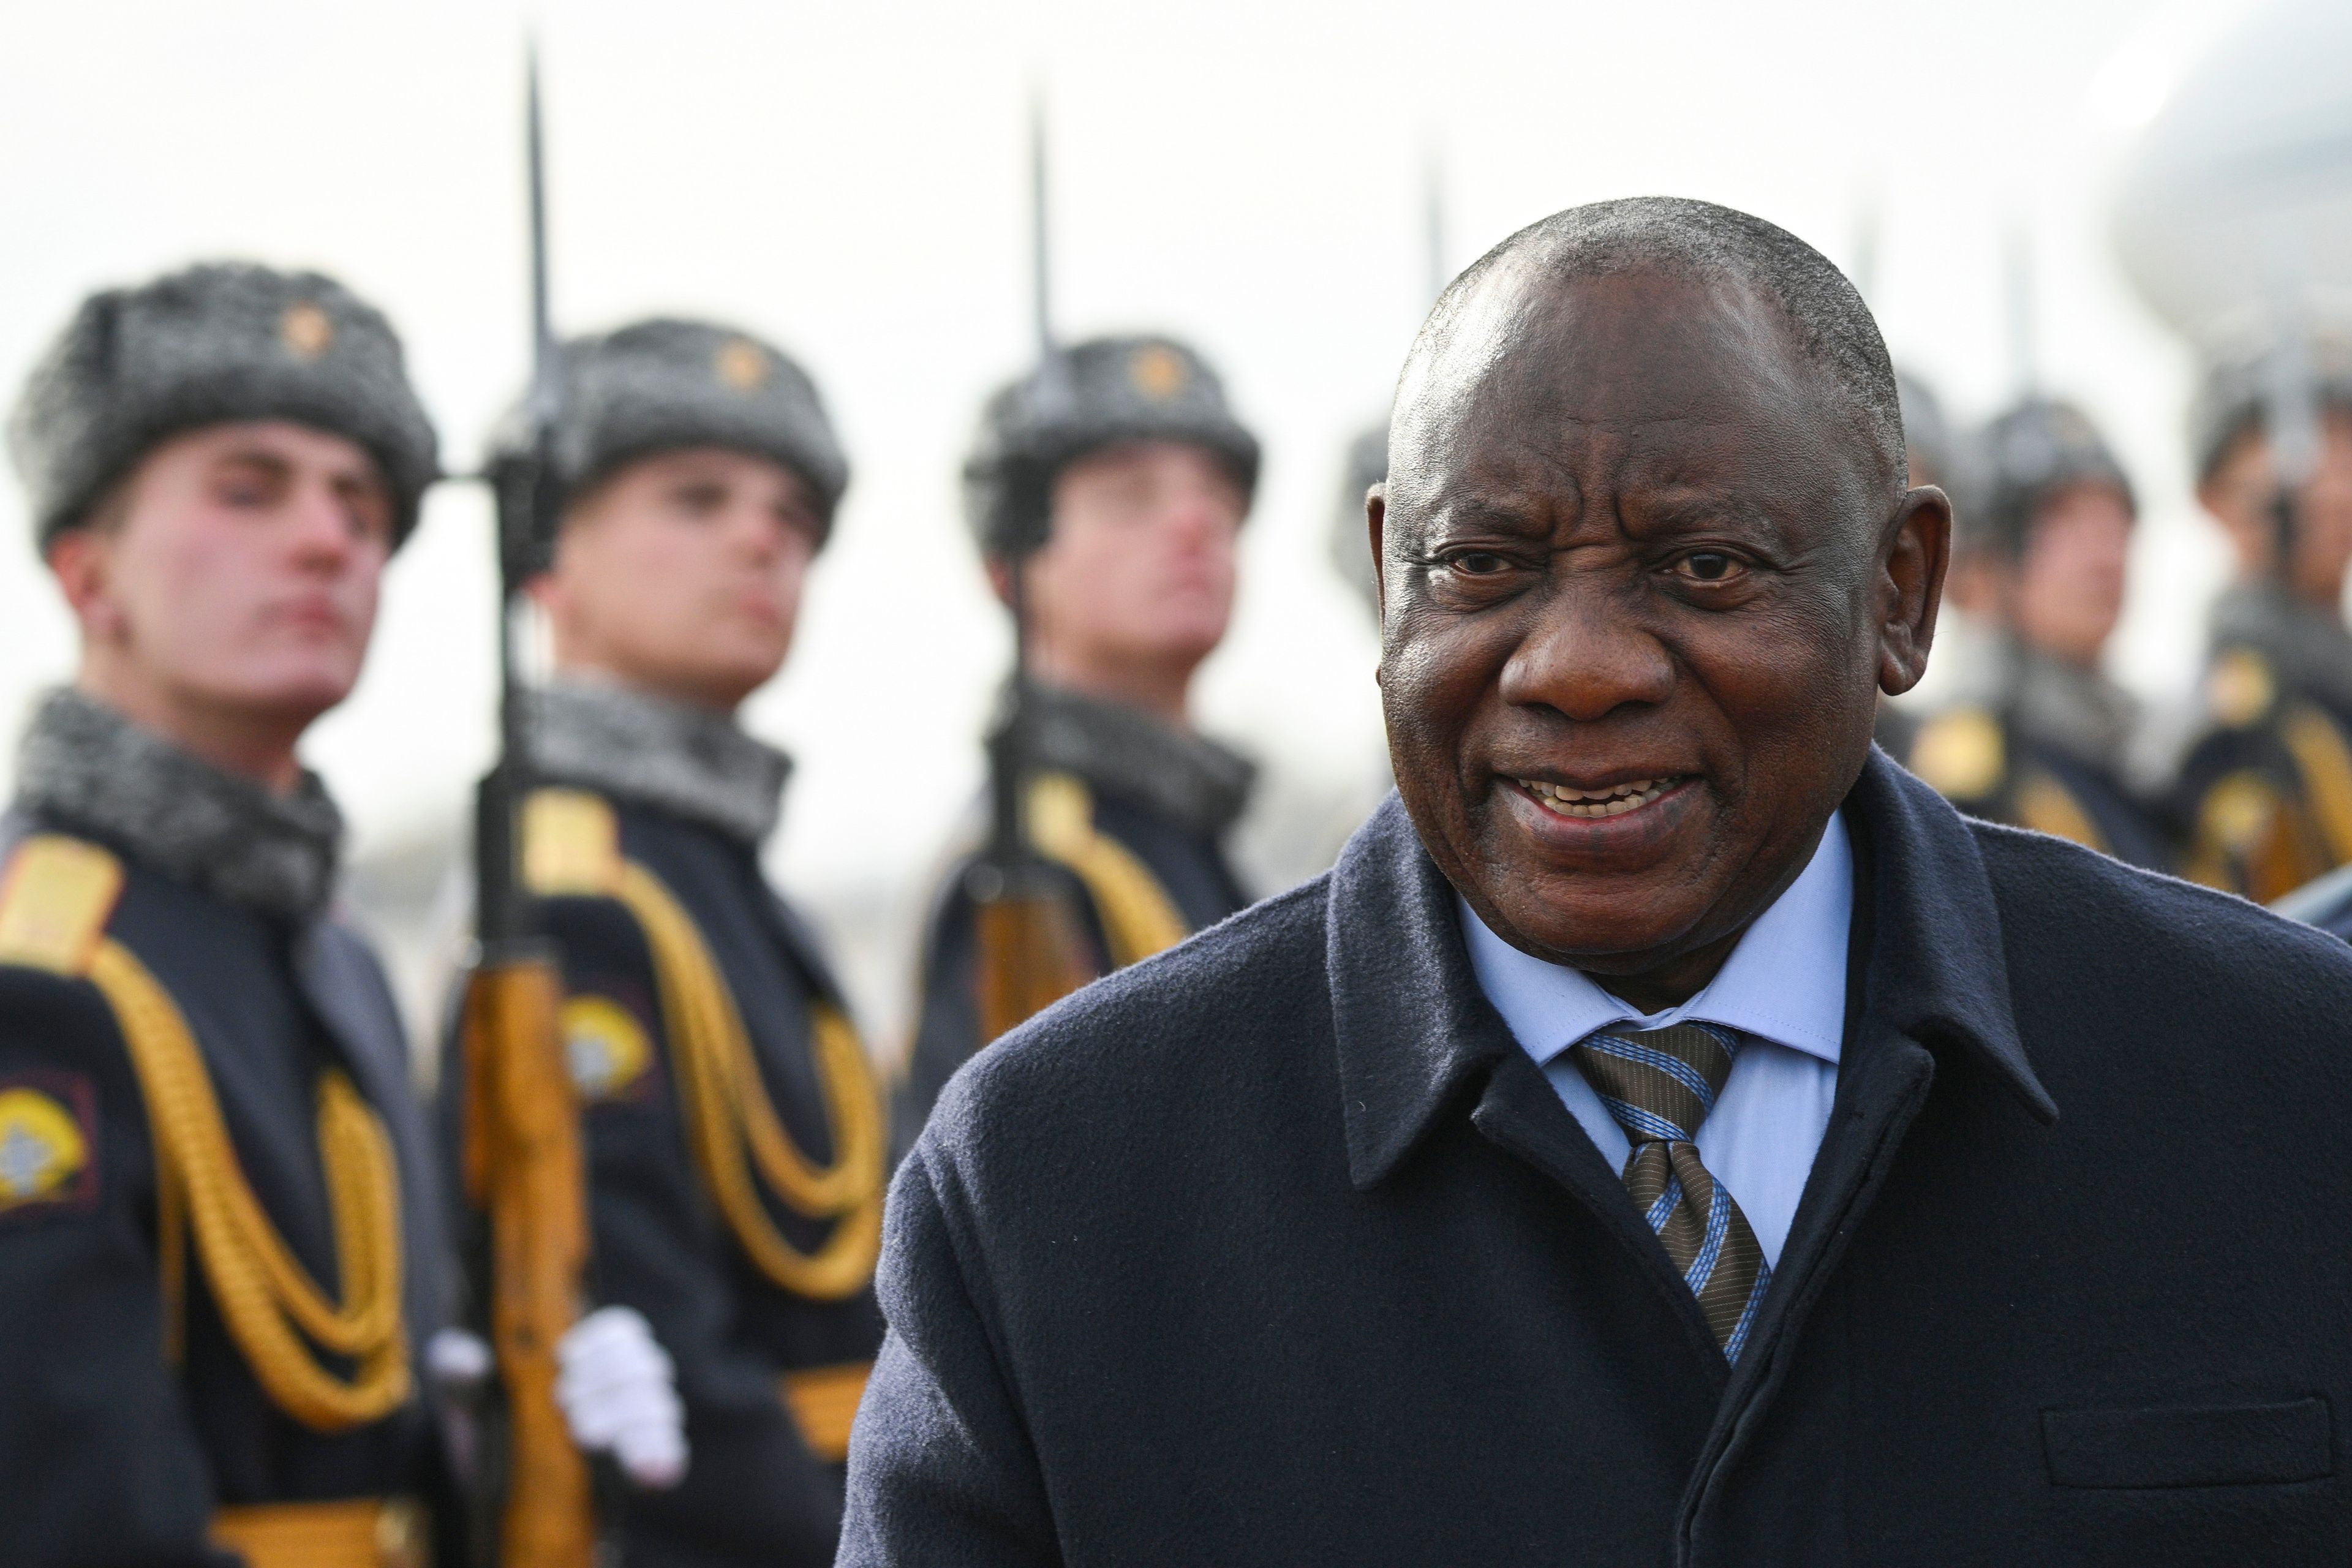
[(734, 1138), (1672, 1133), (220, 1235), (1118, 479)]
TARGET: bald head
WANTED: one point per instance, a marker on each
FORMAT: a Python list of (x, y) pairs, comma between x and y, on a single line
[(1827, 329)]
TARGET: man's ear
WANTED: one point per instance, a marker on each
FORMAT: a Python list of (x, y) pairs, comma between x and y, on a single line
[(1376, 519), (1000, 579), (82, 561), (543, 591), (1910, 587)]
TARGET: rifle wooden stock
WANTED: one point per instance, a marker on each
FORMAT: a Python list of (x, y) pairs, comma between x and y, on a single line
[(1028, 959), (523, 1172)]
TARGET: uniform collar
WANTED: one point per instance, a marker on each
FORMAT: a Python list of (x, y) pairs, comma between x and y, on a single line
[(87, 768), (2074, 712), (1415, 1033), (1785, 980), (648, 750), (1125, 752), (2310, 648)]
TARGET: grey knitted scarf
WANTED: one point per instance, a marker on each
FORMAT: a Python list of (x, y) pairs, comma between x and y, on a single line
[(1125, 752), (689, 762), (88, 768)]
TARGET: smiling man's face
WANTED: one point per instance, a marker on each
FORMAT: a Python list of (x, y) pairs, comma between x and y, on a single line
[(1644, 579)]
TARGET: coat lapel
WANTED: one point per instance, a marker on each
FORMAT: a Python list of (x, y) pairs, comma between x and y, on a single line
[(339, 981), (1934, 980), (1413, 1028)]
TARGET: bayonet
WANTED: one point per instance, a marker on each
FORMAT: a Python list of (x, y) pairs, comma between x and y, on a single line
[(523, 1169)]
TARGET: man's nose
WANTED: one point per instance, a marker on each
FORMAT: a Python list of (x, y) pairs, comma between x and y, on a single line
[(324, 527), (756, 532), (1587, 655), (1194, 518)]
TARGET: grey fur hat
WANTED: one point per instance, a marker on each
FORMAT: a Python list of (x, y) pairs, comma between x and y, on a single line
[(2230, 396), (1081, 399), (661, 385), (1367, 465), (2031, 452), (207, 345)]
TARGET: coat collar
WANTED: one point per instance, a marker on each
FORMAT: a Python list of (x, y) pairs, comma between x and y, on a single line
[(648, 750), (93, 771), (1414, 1031)]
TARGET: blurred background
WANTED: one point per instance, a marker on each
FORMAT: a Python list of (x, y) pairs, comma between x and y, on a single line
[(850, 181)]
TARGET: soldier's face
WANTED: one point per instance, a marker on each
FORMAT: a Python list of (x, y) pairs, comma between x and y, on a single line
[(1137, 573), (681, 574), (236, 572), (2070, 584), (2242, 490), (1642, 583)]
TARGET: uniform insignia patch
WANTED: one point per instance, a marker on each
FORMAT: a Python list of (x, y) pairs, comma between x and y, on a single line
[(306, 330), (741, 365), (2237, 813), (604, 1047), (2239, 688), (1961, 754), (47, 1143), (1158, 371)]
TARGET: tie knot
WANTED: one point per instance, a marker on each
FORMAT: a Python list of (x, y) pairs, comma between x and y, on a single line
[(1659, 1083)]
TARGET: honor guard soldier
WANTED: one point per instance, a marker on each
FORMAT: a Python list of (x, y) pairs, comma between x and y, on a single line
[(734, 1138), (1117, 477), (220, 1238), (2040, 565), (2266, 794)]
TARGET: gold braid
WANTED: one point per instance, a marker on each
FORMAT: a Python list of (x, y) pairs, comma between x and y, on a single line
[(727, 1113), (1139, 917), (265, 1294)]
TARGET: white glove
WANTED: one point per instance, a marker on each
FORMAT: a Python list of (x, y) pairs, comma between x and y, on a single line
[(459, 1363), (618, 1391)]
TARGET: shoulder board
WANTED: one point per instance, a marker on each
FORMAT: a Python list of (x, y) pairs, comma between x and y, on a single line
[(570, 844), (1962, 753), (55, 897), (1060, 814), (2240, 688)]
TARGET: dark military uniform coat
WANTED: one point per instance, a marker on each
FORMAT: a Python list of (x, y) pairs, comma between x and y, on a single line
[(1277, 1249), (2263, 800), (109, 1452), (2048, 754), (1166, 797), (693, 797)]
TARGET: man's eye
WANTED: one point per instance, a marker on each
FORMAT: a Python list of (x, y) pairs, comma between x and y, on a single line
[(1707, 566), (1476, 563)]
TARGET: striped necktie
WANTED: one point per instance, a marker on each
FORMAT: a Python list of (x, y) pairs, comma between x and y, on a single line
[(1660, 1084)]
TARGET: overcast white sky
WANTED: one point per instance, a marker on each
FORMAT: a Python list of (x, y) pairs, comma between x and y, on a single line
[(848, 180)]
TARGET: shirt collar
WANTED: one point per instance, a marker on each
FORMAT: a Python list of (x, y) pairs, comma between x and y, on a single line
[(1784, 981), (1414, 1031)]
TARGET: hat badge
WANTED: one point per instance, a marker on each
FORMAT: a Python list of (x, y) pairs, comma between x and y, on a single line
[(741, 365), (306, 330), (1158, 371)]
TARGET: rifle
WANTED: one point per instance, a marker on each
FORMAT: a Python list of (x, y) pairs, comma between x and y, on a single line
[(1028, 946), (2291, 421), (522, 1161)]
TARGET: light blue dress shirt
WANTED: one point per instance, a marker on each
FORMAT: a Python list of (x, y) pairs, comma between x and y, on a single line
[(1783, 988)]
